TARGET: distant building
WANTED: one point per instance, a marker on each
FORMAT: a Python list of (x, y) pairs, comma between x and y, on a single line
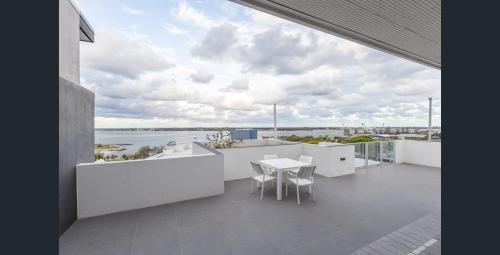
[(410, 136), (243, 134), (433, 130)]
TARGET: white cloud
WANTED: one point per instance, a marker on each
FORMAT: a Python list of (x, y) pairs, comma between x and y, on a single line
[(120, 55), (276, 50), (216, 42), (412, 87), (230, 8), (240, 67), (201, 76), (173, 29), (131, 11), (192, 16), (238, 85), (262, 18), (371, 87)]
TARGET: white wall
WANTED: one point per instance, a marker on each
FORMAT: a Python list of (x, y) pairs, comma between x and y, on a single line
[(252, 143), (69, 42), (398, 151), (259, 142), (199, 149), (327, 159), (418, 152), (104, 188), (237, 160)]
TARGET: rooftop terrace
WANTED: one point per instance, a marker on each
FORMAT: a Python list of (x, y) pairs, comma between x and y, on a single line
[(352, 214)]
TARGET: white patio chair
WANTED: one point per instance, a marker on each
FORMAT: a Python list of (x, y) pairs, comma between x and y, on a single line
[(304, 177), (262, 177), (304, 159)]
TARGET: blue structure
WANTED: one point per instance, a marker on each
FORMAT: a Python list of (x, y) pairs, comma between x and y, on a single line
[(243, 134)]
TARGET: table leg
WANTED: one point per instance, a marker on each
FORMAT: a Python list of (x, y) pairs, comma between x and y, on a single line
[(279, 177)]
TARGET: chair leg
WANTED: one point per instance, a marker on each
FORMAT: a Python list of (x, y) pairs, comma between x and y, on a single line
[(314, 191), (262, 190), (286, 187), (298, 197), (310, 186)]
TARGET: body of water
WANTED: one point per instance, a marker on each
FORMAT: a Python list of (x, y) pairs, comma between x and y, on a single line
[(134, 140)]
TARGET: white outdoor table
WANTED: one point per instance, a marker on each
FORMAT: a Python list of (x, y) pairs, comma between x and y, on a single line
[(281, 165)]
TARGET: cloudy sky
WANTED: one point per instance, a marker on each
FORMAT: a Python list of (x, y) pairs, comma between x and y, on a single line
[(169, 63)]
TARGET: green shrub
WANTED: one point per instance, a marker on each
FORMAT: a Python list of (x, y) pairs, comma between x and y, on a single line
[(308, 139), (358, 139)]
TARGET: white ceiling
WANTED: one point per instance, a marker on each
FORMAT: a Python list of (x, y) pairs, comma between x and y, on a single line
[(407, 28)]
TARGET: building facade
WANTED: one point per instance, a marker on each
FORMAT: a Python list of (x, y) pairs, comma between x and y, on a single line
[(76, 109)]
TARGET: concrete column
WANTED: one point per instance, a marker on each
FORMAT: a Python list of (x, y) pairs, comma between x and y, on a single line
[(76, 144)]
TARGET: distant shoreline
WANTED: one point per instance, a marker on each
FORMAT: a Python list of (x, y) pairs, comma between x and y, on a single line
[(117, 144), (214, 129), (225, 128)]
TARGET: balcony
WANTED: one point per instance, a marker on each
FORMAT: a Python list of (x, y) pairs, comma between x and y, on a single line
[(382, 209)]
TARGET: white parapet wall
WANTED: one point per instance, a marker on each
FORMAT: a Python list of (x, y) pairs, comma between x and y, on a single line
[(328, 159), (418, 152), (104, 188), (331, 160), (237, 160)]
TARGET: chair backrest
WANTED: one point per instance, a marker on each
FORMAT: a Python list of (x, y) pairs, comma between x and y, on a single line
[(257, 168), (306, 172), (272, 156), (306, 159)]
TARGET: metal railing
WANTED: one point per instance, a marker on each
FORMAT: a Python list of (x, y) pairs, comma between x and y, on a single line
[(373, 153)]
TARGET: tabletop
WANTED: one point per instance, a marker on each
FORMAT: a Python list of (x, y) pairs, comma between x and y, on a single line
[(282, 163)]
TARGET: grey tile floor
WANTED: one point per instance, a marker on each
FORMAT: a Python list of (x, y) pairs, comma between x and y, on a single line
[(420, 237), (350, 213)]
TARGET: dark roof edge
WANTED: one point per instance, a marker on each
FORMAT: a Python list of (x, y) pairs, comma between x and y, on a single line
[(87, 34), (86, 30)]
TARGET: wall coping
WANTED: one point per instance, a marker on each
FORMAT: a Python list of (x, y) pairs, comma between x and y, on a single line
[(259, 146), (144, 160)]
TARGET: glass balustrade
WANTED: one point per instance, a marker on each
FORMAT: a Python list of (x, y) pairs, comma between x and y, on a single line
[(373, 153)]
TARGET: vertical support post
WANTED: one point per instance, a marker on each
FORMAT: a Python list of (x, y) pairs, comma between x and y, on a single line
[(275, 127), (366, 154), (430, 119), (381, 148), (393, 152)]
